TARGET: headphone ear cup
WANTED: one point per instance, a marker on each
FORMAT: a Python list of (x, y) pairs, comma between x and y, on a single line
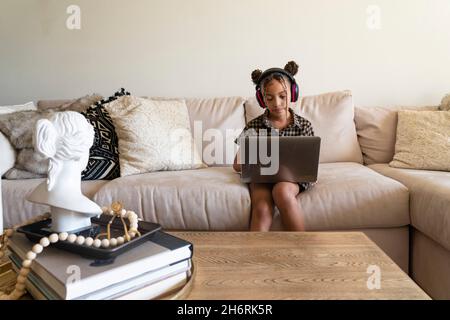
[(294, 92), (260, 99)]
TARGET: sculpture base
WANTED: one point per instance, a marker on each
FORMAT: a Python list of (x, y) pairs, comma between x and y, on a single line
[(69, 221)]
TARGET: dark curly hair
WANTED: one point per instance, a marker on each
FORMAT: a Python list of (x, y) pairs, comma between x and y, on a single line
[(291, 67)]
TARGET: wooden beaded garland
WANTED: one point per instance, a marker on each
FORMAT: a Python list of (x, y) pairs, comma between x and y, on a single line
[(116, 211)]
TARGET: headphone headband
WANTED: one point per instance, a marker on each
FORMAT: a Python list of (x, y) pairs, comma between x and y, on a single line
[(271, 71)]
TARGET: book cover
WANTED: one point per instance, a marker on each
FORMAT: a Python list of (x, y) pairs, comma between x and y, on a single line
[(72, 276)]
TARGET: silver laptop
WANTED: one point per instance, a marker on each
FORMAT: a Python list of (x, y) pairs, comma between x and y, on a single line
[(271, 159)]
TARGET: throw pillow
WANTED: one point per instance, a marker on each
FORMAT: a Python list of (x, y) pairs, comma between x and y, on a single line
[(153, 135), (103, 161), (17, 128), (215, 124), (445, 103), (19, 107), (79, 105), (423, 140)]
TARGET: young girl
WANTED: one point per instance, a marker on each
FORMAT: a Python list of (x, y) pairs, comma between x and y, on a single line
[(275, 89)]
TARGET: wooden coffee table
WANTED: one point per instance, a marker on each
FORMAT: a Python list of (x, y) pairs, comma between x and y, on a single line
[(294, 265)]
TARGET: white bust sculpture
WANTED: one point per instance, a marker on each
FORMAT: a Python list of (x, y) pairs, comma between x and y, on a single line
[(65, 140)]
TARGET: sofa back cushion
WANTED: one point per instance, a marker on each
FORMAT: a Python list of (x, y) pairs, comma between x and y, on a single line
[(376, 128), (332, 117)]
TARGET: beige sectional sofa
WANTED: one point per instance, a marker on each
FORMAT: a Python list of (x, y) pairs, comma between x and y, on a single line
[(406, 212)]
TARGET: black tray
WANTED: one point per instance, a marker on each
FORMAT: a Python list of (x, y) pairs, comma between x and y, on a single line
[(36, 231)]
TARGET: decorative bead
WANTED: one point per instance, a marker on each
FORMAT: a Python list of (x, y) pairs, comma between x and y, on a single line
[(132, 234), (31, 255), (80, 240), (72, 238), (111, 212), (97, 243), (45, 242), (37, 248), (63, 236), (53, 238), (123, 213), (9, 233), (105, 243), (20, 286), (113, 242), (21, 279), (120, 240), (89, 241), (24, 272), (26, 263)]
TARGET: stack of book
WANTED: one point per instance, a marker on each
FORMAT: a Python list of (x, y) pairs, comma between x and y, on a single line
[(153, 269)]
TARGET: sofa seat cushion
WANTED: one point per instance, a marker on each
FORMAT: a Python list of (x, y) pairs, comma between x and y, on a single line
[(204, 199), (351, 196), (16, 209), (430, 199)]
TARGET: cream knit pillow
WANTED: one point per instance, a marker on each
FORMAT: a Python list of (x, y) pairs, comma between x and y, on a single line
[(423, 140), (153, 135)]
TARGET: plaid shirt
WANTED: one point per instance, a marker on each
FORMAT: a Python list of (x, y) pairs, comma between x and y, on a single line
[(299, 127)]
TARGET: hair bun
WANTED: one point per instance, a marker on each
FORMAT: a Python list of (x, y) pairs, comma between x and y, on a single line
[(256, 75), (291, 67)]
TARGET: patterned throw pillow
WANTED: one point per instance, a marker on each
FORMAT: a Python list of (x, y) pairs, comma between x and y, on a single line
[(104, 154)]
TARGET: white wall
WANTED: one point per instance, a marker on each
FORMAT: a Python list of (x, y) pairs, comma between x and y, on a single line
[(209, 48)]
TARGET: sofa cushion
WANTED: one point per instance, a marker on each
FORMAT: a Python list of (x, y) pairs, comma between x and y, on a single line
[(205, 199), (377, 128), (347, 196), (430, 199), (351, 196), (16, 209)]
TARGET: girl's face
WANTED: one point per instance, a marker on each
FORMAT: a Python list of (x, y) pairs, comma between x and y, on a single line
[(276, 97)]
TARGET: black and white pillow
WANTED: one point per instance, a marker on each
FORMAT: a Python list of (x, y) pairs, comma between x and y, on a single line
[(103, 161)]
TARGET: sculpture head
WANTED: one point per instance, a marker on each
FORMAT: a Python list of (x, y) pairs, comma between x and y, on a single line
[(67, 136)]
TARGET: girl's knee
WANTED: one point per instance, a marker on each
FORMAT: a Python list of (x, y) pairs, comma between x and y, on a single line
[(284, 193)]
